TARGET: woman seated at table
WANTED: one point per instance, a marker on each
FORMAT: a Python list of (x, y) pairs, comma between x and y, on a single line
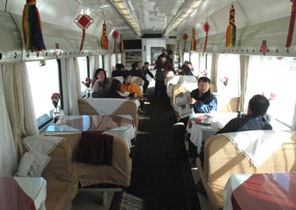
[(128, 86), (100, 83), (114, 90)]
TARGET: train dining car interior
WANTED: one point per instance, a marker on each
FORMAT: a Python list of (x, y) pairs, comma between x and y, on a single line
[(137, 104)]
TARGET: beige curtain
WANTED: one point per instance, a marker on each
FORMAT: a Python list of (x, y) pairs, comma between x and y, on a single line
[(214, 70), (92, 65), (244, 65), (294, 119), (8, 157), (73, 85), (19, 103)]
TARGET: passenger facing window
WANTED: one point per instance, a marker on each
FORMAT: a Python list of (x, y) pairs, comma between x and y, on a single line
[(44, 81), (82, 63), (274, 75)]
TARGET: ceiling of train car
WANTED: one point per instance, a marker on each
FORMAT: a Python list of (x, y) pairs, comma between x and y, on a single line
[(154, 15)]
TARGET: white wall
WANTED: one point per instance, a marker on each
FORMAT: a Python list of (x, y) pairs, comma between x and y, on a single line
[(146, 47)]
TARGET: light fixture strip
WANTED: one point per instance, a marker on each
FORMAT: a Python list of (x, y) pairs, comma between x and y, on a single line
[(123, 9), (182, 14)]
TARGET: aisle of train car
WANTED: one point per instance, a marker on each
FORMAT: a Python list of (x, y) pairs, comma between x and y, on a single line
[(162, 182)]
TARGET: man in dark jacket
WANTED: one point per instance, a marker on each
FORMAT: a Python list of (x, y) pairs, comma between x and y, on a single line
[(254, 120), (205, 101), (120, 68), (162, 67), (137, 73)]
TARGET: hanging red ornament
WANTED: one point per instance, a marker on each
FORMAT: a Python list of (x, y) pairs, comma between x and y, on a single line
[(104, 38), (231, 29), (115, 35), (121, 43), (177, 50), (83, 22), (185, 37), (292, 24), (32, 28), (193, 41), (264, 48), (206, 27)]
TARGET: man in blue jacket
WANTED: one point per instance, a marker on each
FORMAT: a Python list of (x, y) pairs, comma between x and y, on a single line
[(205, 101)]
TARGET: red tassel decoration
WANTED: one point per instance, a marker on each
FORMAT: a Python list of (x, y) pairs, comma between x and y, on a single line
[(206, 27), (115, 35), (177, 50), (121, 44), (104, 39), (83, 22), (292, 24), (231, 29), (193, 41), (185, 36)]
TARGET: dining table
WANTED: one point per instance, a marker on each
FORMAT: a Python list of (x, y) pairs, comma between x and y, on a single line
[(200, 130), (260, 191), (22, 193), (121, 126)]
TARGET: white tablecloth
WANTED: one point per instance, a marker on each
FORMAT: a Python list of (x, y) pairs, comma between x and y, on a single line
[(35, 188), (200, 133)]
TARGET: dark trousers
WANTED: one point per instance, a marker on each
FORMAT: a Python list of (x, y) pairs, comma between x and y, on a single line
[(160, 87), (145, 86)]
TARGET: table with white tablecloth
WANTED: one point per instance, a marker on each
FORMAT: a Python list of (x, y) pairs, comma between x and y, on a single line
[(22, 193), (200, 132), (121, 126)]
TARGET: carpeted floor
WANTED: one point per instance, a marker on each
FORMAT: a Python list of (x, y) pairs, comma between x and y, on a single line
[(162, 182)]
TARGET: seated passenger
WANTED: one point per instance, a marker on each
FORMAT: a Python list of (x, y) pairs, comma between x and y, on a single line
[(128, 86), (145, 70), (120, 68), (205, 100), (114, 90), (186, 71), (254, 120), (100, 83), (137, 73)]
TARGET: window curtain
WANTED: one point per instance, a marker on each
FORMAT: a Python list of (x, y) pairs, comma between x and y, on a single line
[(294, 119), (214, 70), (19, 103), (244, 65), (73, 85), (8, 158), (92, 66)]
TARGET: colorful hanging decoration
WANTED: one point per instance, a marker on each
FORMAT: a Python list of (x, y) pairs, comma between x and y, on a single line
[(104, 39), (83, 21), (206, 27), (185, 37), (231, 29), (193, 41), (32, 28), (115, 35), (292, 24), (121, 43), (264, 48)]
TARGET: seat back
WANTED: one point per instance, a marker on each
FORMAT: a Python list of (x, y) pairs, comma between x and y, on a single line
[(128, 107), (226, 104)]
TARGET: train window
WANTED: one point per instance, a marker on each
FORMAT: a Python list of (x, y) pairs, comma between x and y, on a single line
[(101, 61), (194, 60), (119, 58), (186, 56), (274, 75), (82, 63), (208, 63), (44, 81), (228, 68), (113, 61)]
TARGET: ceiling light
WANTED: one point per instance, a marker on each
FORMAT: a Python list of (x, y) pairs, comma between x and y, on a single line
[(127, 12), (184, 11)]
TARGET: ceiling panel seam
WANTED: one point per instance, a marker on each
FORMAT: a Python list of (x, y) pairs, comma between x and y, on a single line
[(19, 32)]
